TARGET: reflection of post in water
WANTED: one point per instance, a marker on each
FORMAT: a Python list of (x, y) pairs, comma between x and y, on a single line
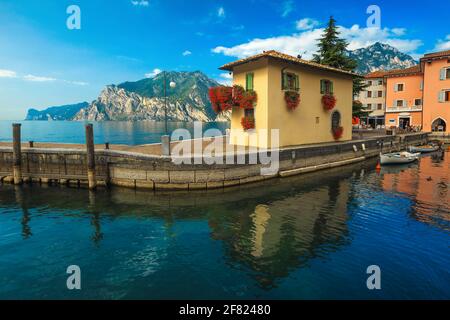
[(26, 230), (95, 219)]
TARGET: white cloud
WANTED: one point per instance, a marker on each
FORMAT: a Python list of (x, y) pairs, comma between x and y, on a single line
[(186, 53), (443, 45), (153, 74), (33, 78), (140, 3), (7, 74), (286, 8), (306, 24), (225, 79), (221, 12), (305, 42)]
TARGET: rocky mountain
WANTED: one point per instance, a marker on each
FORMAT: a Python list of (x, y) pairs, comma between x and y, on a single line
[(381, 56), (66, 112), (144, 100)]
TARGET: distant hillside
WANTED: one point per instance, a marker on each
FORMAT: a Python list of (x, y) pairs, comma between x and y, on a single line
[(144, 100), (380, 56), (66, 112)]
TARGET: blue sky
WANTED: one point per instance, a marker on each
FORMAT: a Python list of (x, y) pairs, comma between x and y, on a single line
[(43, 63)]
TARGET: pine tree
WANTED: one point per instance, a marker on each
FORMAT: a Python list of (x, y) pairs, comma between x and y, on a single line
[(333, 52)]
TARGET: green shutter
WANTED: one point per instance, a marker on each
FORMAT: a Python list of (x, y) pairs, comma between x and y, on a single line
[(284, 81), (322, 86), (331, 87), (249, 81), (297, 84)]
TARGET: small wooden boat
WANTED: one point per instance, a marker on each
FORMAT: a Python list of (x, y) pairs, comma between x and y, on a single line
[(398, 158), (424, 149)]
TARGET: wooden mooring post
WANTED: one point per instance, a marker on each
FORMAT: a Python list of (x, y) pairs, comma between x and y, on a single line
[(17, 154), (90, 149)]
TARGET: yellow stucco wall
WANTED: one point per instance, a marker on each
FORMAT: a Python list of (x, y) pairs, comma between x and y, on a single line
[(309, 123), (260, 82)]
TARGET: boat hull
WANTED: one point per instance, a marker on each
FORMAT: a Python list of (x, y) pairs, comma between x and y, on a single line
[(424, 149), (398, 158)]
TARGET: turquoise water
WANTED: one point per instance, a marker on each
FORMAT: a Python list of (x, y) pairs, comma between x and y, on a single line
[(306, 237), (116, 132)]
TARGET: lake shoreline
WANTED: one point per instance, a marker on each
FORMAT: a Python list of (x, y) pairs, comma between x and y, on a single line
[(131, 167)]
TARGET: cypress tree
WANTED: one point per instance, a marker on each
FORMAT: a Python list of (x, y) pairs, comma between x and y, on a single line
[(333, 52)]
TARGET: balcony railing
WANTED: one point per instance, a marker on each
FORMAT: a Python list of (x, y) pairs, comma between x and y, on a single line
[(404, 109)]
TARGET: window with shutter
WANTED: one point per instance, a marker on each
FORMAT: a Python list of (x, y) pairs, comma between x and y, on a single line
[(290, 81), (447, 73), (326, 87)]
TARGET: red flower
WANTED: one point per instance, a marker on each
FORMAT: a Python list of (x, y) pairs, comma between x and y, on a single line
[(221, 98), (338, 132), (328, 102), (248, 123), (292, 99), (225, 98)]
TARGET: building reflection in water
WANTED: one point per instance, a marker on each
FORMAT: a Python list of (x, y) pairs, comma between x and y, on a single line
[(427, 186), (284, 233)]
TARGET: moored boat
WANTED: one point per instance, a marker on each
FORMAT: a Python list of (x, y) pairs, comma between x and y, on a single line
[(424, 149), (398, 158)]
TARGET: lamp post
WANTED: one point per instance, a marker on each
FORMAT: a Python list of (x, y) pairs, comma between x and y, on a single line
[(165, 139), (172, 86)]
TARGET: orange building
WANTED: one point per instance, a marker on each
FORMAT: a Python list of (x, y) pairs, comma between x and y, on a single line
[(404, 96), (436, 112)]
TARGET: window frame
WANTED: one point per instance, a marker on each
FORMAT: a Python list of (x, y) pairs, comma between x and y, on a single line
[(339, 120), (286, 79), (324, 89), (249, 113), (397, 87)]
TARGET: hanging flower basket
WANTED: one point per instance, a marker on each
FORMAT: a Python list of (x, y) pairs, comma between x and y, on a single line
[(225, 98), (248, 100), (221, 98), (338, 132), (328, 102), (248, 123), (292, 99)]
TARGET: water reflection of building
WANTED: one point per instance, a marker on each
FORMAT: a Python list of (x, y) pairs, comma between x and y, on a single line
[(428, 186), (281, 235)]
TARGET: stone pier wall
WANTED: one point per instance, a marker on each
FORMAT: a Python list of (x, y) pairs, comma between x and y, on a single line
[(67, 166)]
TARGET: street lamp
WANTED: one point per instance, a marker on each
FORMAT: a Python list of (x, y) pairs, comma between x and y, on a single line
[(165, 139), (172, 85)]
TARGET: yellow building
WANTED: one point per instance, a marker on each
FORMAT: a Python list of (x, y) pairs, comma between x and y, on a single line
[(272, 74)]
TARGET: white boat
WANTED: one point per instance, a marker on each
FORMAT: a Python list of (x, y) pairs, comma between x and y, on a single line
[(424, 149), (398, 158)]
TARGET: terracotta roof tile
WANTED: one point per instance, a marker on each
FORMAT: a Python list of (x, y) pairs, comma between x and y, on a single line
[(436, 55), (375, 74), (281, 56), (400, 72)]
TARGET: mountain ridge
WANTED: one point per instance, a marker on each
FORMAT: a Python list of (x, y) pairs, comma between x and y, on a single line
[(381, 57)]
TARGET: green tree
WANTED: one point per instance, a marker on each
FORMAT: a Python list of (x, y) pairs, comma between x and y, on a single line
[(333, 52)]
